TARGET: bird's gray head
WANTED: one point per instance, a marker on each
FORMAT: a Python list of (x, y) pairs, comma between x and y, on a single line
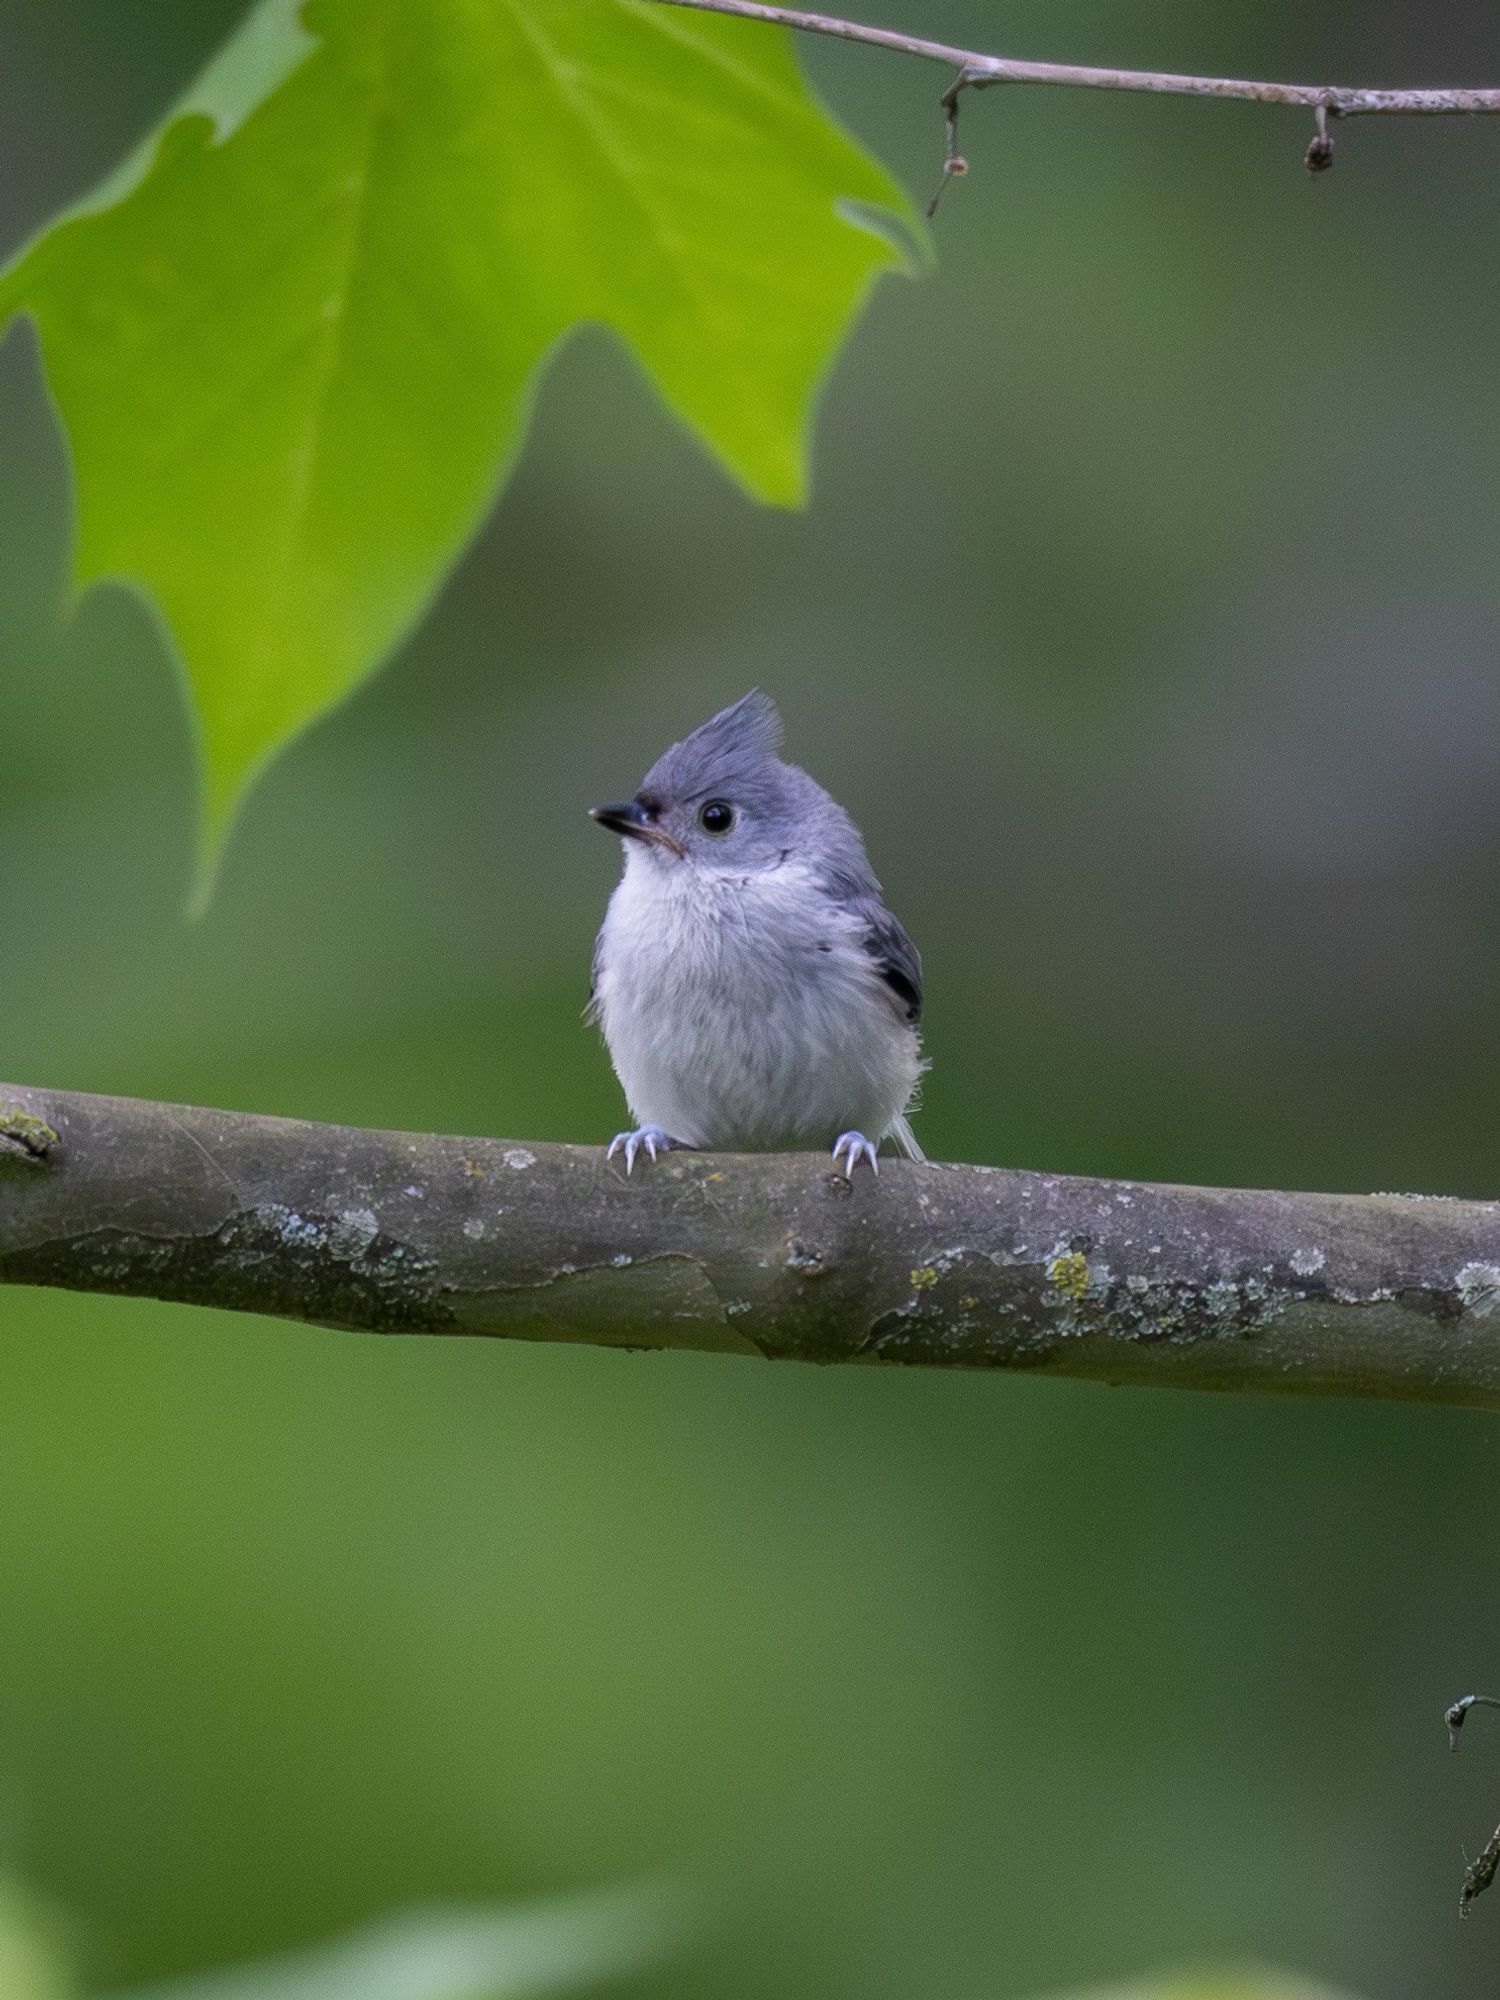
[(723, 800)]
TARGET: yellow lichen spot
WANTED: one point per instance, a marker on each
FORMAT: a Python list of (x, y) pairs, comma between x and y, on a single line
[(714, 1177), (32, 1135), (923, 1278), (1070, 1274), (968, 1302), (473, 1170)]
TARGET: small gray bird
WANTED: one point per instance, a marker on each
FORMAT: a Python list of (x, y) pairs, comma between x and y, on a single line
[(754, 991)]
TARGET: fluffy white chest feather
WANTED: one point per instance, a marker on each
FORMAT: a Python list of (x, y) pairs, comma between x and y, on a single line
[(743, 1012)]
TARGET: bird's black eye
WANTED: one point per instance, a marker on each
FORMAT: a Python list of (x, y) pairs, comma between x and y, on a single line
[(716, 817)]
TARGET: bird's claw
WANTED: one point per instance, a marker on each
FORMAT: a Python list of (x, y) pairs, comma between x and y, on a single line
[(650, 1139), (857, 1147)]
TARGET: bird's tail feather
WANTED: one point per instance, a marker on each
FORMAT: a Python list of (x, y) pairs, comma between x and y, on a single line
[(905, 1140)]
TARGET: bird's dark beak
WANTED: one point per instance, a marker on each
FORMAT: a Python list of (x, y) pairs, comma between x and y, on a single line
[(633, 821)]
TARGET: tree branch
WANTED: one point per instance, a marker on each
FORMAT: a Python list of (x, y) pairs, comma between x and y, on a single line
[(977, 70), (776, 1255)]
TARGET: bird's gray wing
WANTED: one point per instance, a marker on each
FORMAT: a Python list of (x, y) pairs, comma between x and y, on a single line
[(897, 958)]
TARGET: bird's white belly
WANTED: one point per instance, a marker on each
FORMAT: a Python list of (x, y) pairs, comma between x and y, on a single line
[(749, 1020)]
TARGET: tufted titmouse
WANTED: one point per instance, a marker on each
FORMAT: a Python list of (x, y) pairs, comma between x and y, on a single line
[(754, 991)]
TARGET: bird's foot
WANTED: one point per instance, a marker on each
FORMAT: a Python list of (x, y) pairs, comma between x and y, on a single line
[(857, 1147), (648, 1139)]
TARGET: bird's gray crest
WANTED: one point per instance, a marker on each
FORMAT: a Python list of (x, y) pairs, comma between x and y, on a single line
[(751, 723), (737, 742)]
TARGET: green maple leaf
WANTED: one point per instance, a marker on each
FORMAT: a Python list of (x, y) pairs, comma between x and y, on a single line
[(293, 341)]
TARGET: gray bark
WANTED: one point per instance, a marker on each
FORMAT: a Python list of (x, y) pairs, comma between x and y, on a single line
[(771, 1255)]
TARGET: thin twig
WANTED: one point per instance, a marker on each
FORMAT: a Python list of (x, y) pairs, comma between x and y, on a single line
[(954, 162), (1481, 1873), (979, 70)]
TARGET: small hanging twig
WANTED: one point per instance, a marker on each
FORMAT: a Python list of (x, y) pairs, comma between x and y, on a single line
[(954, 162), (1320, 152), (1479, 1874)]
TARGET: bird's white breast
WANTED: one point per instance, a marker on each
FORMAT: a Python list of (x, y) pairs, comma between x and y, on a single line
[(743, 1012)]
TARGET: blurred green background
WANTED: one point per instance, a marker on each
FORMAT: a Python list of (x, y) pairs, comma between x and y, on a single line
[(1146, 618)]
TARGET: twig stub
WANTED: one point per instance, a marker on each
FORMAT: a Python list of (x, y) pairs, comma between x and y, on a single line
[(1320, 151), (1458, 1714)]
